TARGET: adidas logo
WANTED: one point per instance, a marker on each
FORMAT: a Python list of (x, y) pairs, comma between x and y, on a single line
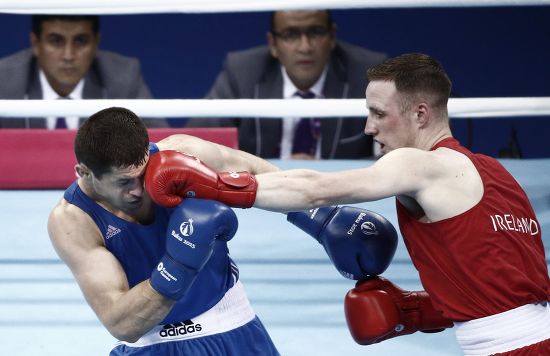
[(111, 231), (181, 328)]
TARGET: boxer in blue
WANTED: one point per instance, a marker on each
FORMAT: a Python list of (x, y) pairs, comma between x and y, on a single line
[(160, 280), (158, 275)]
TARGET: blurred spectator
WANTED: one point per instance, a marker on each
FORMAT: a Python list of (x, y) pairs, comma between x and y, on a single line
[(64, 62), (303, 59)]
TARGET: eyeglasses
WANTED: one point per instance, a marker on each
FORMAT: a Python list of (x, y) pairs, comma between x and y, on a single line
[(295, 34)]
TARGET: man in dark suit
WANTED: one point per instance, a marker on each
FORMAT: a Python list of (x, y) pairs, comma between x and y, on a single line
[(64, 62), (302, 59)]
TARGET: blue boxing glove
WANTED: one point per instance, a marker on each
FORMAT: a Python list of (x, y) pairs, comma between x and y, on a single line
[(193, 228), (360, 243)]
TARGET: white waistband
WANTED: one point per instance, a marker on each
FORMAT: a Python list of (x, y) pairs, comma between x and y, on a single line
[(507, 331), (232, 311)]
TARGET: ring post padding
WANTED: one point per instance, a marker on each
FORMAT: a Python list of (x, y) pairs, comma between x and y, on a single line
[(44, 159)]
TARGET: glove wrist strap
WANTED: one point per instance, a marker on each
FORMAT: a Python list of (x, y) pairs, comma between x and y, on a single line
[(237, 189), (172, 279)]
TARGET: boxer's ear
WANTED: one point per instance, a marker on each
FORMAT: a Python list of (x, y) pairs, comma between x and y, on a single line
[(82, 171)]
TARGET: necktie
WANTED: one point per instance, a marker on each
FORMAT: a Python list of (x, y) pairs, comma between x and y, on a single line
[(60, 122), (307, 131)]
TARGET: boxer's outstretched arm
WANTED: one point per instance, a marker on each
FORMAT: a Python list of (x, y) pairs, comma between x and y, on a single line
[(300, 189), (218, 157), (126, 313)]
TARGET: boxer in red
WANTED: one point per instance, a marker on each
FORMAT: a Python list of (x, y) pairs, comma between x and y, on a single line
[(467, 223)]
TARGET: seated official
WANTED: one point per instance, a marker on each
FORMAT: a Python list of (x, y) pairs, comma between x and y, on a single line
[(64, 62), (302, 60)]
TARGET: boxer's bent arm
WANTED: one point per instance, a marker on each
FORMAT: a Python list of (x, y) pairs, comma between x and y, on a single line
[(126, 313), (218, 157)]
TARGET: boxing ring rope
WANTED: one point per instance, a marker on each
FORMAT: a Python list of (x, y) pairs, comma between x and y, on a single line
[(217, 6), (248, 108), (268, 108)]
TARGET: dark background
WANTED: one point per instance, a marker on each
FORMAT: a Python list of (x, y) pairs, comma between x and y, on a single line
[(487, 51)]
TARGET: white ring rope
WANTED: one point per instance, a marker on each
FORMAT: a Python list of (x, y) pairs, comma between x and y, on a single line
[(269, 108), (210, 6), (458, 108)]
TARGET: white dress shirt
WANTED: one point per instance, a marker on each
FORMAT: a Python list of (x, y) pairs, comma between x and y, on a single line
[(49, 94)]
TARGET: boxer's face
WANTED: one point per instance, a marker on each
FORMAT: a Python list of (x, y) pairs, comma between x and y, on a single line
[(64, 51), (302, 42), (387, 123), (122, 188)]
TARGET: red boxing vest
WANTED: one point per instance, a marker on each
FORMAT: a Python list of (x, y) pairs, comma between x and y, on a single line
[(487, 260)]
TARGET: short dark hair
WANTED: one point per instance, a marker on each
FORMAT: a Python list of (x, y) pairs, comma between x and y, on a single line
[(38, 20), (272, 20), (113, 137), (415, 73)]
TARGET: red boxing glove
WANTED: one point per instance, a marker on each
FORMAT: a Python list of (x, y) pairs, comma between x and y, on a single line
[(171, 176), (376, 310)]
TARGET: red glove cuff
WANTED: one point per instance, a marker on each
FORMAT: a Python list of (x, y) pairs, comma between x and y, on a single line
[(237, 189)]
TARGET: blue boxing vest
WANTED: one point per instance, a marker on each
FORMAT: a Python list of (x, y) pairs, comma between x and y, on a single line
[(139, 248)]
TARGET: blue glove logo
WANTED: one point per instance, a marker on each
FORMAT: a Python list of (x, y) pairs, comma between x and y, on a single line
[(186, 228), (313, 212), (368, 228)]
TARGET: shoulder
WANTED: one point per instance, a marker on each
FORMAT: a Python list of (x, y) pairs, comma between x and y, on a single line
[(414, 162), (115, 61), (119, 75), (349, 64), (15, 69), (249, 62), (356, 55), (69, 226), (17, 59), (452, 162), (406, 153), (249, 55), (243, 71), (440, 156), (116, 69), (65, 214), (430, 166)]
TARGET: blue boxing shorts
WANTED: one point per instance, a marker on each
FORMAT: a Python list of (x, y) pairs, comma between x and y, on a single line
[(229, 328)]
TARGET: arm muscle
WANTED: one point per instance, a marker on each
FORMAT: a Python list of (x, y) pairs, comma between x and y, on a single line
[(126, 313)]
